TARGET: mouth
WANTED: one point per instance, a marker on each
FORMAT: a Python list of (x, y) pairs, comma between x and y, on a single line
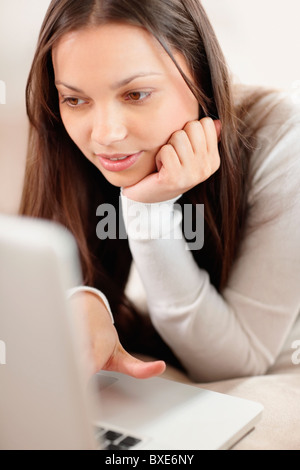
[(117, 159), (118, 162)]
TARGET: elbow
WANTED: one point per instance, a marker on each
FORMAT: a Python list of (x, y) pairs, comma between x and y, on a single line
[(218, 368)]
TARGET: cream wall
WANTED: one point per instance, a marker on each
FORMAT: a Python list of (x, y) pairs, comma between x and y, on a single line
[(260, 39), (19, 26)]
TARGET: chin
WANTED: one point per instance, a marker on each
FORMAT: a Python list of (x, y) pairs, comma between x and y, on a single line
[(122, 180)]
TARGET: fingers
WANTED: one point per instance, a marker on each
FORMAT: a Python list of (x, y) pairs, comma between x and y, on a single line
[(197, 149), (198, 139), (168, 159), (195, 133), (203, 135), (190, 157), (182, 145), (208, 156), (212, 130)]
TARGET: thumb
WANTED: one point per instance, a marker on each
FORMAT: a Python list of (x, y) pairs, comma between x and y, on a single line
[(126, 364)]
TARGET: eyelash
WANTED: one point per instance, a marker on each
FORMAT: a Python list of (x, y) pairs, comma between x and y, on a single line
[(147, 93), (67, 99)]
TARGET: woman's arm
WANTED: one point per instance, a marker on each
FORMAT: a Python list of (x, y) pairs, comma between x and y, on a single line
[(241, 331)]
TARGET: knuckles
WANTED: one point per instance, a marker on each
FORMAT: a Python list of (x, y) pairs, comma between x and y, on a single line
[(167, 150), (192, 125), (203, 166), (177, 137)]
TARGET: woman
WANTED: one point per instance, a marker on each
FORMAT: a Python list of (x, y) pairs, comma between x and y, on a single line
[(136, 95)]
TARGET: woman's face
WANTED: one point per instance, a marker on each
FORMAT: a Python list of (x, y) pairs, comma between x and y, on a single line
[(121, 98)]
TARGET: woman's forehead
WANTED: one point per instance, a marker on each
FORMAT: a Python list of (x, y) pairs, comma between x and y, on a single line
[(113, 48), (111, 38)]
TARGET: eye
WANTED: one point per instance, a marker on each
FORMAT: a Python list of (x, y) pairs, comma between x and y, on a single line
[(137, 96), (73, 102)]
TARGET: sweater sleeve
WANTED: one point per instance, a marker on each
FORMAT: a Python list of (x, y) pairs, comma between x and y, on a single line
[(240, 331)]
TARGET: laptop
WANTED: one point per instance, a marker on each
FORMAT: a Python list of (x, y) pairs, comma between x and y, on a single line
[(46, 401)]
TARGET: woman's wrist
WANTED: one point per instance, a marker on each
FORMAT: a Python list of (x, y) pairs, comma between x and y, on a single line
[(151, 221), (90, 293)]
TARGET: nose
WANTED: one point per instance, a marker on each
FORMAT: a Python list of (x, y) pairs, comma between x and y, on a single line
[(108, 127)]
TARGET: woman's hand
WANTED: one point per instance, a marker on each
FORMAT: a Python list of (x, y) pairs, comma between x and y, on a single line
[(101, 344), (190, 157)]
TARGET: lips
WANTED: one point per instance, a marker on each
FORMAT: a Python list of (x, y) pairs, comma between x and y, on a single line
[(118, 162)]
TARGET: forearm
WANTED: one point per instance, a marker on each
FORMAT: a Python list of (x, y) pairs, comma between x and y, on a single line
[(192, 317), (220, 336), (93, 293)]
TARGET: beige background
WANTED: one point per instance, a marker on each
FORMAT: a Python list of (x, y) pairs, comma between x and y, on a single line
[(260, 39)]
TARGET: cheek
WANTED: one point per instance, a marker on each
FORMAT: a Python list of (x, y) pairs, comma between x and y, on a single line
[(75, 128), (169, 120), (68, 124)]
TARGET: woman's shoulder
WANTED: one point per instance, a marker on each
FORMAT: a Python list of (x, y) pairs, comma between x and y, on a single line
[(274, 118), (266, 108)]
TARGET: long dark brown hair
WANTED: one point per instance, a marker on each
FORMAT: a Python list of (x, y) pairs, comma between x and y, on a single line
[(62, 185)]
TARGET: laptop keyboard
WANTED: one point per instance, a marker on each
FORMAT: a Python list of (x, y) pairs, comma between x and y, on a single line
[(113, 440)]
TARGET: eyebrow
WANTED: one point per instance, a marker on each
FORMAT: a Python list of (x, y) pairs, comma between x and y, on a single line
[(116, 85)]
